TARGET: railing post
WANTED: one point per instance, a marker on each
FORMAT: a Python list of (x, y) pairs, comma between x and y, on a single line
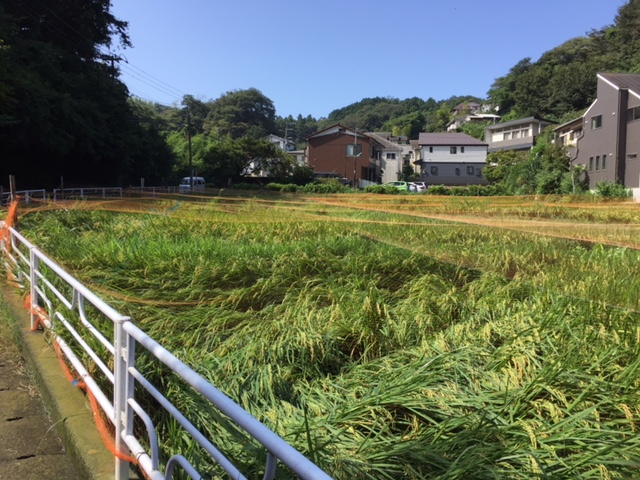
[(34, 263), (123, 391)]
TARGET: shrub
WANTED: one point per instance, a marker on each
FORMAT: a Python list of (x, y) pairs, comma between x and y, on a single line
[(611, 190), (330, 186), (247, 186), (375, 189), (438, 190)]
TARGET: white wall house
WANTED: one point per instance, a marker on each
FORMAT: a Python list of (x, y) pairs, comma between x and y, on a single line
[(391, 156), (518, 134), (452, 159)]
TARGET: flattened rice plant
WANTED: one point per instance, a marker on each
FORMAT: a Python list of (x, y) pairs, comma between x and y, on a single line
[(381, 345)]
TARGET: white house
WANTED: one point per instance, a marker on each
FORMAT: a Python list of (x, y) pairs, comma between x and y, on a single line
[(390, 154), (452, 159), (518, 134), (282, 143)]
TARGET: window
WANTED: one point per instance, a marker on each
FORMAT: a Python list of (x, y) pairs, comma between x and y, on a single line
[(591, 164), (430, 149), (457, 171), (391, 156), (506, 135), (597, 163), (596, 122), (354, 150), (604, 162), (633, 114), (479, 172), (453, 150), (632, 156), (461, 149), (434, 170), (470, 170)]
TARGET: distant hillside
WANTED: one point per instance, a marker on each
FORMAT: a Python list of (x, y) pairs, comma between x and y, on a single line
[(558, 86), (563, 81)]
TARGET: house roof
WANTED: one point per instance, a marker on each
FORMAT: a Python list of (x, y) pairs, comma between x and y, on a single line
[(571, 123), (463, 105), (386, 144), (445, 138), (623, 80), (337, 128), (519, 121)]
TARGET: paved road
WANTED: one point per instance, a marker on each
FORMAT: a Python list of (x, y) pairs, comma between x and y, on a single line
[(30, 447)]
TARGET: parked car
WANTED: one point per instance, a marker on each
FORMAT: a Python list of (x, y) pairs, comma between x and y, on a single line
[(420, 186), (399, 185), (185, 184)]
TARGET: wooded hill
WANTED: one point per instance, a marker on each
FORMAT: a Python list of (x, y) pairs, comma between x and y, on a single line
[(65, 113)]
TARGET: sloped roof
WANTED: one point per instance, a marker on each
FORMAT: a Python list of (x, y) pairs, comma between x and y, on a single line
[(623, 80), (444, 138), (519, 121), (337, 127), (386, 144)]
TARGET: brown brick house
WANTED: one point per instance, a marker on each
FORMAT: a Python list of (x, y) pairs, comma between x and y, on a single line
[(331, 151)]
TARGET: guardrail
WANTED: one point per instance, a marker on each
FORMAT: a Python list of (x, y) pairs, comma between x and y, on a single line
[(62, 193), (59, 300), (152, 190), (26, 196)]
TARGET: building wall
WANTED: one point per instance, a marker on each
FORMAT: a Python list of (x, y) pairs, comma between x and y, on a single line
[(600, 142), (453, 174), (632, 154), (328, 153), (502, 137), (390, 166), (442, 153), (441, 167)]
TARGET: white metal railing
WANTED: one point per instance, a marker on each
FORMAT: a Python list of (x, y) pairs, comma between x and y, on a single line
[(26, 196), (82, 192), (63, 298), (152, 190)]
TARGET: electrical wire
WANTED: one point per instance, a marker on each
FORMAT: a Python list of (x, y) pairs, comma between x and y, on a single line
[(126, 68)]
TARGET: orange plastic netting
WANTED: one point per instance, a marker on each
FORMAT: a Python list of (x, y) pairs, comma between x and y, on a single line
[(10, 221)]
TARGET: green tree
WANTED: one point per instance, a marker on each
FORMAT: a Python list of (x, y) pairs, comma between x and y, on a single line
[(229, 160), (242, 113), (475, 129), (65, 113)]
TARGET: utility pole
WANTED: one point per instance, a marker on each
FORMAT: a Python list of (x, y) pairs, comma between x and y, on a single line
[(287, 127), (190, 158)]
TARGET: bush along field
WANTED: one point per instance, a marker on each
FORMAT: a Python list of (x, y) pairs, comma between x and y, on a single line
[(383, 343)]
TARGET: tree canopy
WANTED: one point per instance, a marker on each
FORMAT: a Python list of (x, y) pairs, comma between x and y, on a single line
[(65, 113)]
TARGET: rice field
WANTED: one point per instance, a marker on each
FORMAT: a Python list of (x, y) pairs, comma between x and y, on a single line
[(387, 337)]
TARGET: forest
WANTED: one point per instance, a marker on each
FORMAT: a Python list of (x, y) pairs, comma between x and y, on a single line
[(65, 115)]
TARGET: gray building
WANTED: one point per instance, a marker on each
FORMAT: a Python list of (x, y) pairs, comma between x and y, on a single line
[(609, 144), (452, 159)]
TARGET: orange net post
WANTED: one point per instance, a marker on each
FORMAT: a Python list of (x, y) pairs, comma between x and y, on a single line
[(38, 312), (106, 432), (10, 221)]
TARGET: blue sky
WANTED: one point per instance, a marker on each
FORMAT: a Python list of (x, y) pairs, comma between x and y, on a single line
[(312, 57)]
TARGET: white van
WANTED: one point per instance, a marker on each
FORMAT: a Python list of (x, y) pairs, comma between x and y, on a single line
[(185, 184)]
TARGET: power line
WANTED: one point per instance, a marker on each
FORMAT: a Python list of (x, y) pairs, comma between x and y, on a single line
[(124, 68)]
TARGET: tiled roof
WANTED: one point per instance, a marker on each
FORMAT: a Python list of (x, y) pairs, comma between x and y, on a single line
[(453, 139)]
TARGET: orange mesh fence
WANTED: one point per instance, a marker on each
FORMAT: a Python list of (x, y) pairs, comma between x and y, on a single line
[(105, 429), (38, 312), (10, 221)]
